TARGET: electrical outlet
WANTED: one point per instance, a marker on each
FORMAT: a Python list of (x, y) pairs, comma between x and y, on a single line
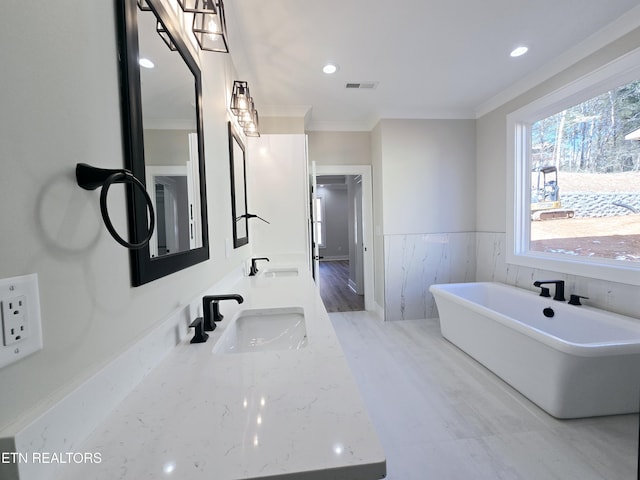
[(21, 327), (14, 320)]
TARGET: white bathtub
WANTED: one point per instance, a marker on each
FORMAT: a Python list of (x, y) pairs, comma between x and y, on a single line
[(582, 362)]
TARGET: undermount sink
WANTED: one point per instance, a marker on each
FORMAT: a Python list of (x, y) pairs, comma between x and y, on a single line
[(281, 272), (260, 330)]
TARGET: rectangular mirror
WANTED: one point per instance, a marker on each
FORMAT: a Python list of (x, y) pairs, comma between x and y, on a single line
[(238, 189), (161, 94)]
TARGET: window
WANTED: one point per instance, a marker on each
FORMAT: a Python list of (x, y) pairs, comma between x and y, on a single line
[(319, 220), (574, 156)]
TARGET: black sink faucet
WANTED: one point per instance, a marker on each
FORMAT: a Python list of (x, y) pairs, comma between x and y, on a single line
[(211, 309), (254, 267), (559, 292)]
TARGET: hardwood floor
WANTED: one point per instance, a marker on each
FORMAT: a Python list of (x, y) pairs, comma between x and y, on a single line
[(441, 415), (334, 288)]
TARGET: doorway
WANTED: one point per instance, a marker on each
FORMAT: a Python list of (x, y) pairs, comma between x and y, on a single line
[(339, 233), (344, 207)]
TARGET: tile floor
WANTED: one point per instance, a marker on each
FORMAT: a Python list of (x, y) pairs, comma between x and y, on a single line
[(441, 415)]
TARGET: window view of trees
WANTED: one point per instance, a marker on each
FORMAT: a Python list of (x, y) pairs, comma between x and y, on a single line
[(585, 164), (590, 137)]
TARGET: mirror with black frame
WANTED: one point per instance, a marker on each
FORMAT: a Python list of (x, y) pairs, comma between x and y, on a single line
[(238, 189), (161, 94)]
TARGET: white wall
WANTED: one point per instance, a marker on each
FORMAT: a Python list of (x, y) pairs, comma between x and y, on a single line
[(277, 190), (60, 105), (164, 147), (340, 148), (377, 171), (429, 172), (278, 125)]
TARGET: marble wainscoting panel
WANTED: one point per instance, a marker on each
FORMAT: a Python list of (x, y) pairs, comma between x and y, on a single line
[(491, 266), (415, 262)]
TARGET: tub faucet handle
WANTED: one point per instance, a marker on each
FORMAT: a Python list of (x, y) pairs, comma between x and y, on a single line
[(544, 291), (559, 293), (575, 299)]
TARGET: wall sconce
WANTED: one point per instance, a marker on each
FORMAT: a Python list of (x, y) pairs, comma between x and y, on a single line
[(209, 25), (243, 107), (240, 97), (143, 5), (165, 36), (197, 6)]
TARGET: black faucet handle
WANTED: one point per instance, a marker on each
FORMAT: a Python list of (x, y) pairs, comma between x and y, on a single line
[(559, 293), (575, 299), (200, 335), (211, 314)]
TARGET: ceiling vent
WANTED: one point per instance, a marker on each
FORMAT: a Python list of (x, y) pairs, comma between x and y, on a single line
[(361, 85)]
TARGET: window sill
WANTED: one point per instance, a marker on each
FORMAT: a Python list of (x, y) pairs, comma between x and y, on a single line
[(602, 269)]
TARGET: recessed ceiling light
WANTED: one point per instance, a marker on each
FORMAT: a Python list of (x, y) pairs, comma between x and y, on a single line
[(330, 68), (518, 51), (146, 63)]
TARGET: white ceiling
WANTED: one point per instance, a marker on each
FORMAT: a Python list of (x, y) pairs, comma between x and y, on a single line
[(432, 58)]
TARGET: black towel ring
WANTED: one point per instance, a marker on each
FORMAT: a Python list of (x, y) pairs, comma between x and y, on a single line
[(90, 178)]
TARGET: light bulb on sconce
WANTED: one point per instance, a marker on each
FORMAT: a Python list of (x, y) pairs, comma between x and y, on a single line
[(213, 27), (251, 129), (209, 26), (246, 116), (239, 97), (243, 104)]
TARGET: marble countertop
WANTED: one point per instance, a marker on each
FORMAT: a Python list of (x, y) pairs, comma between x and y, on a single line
[(294, 414)]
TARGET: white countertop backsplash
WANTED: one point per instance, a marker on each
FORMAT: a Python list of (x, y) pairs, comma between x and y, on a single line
[(272, 414)]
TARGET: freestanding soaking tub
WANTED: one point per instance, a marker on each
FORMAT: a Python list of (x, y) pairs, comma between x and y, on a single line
[(572, 361)]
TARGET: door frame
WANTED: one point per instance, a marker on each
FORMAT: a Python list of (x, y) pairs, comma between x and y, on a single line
[(364, 171)]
